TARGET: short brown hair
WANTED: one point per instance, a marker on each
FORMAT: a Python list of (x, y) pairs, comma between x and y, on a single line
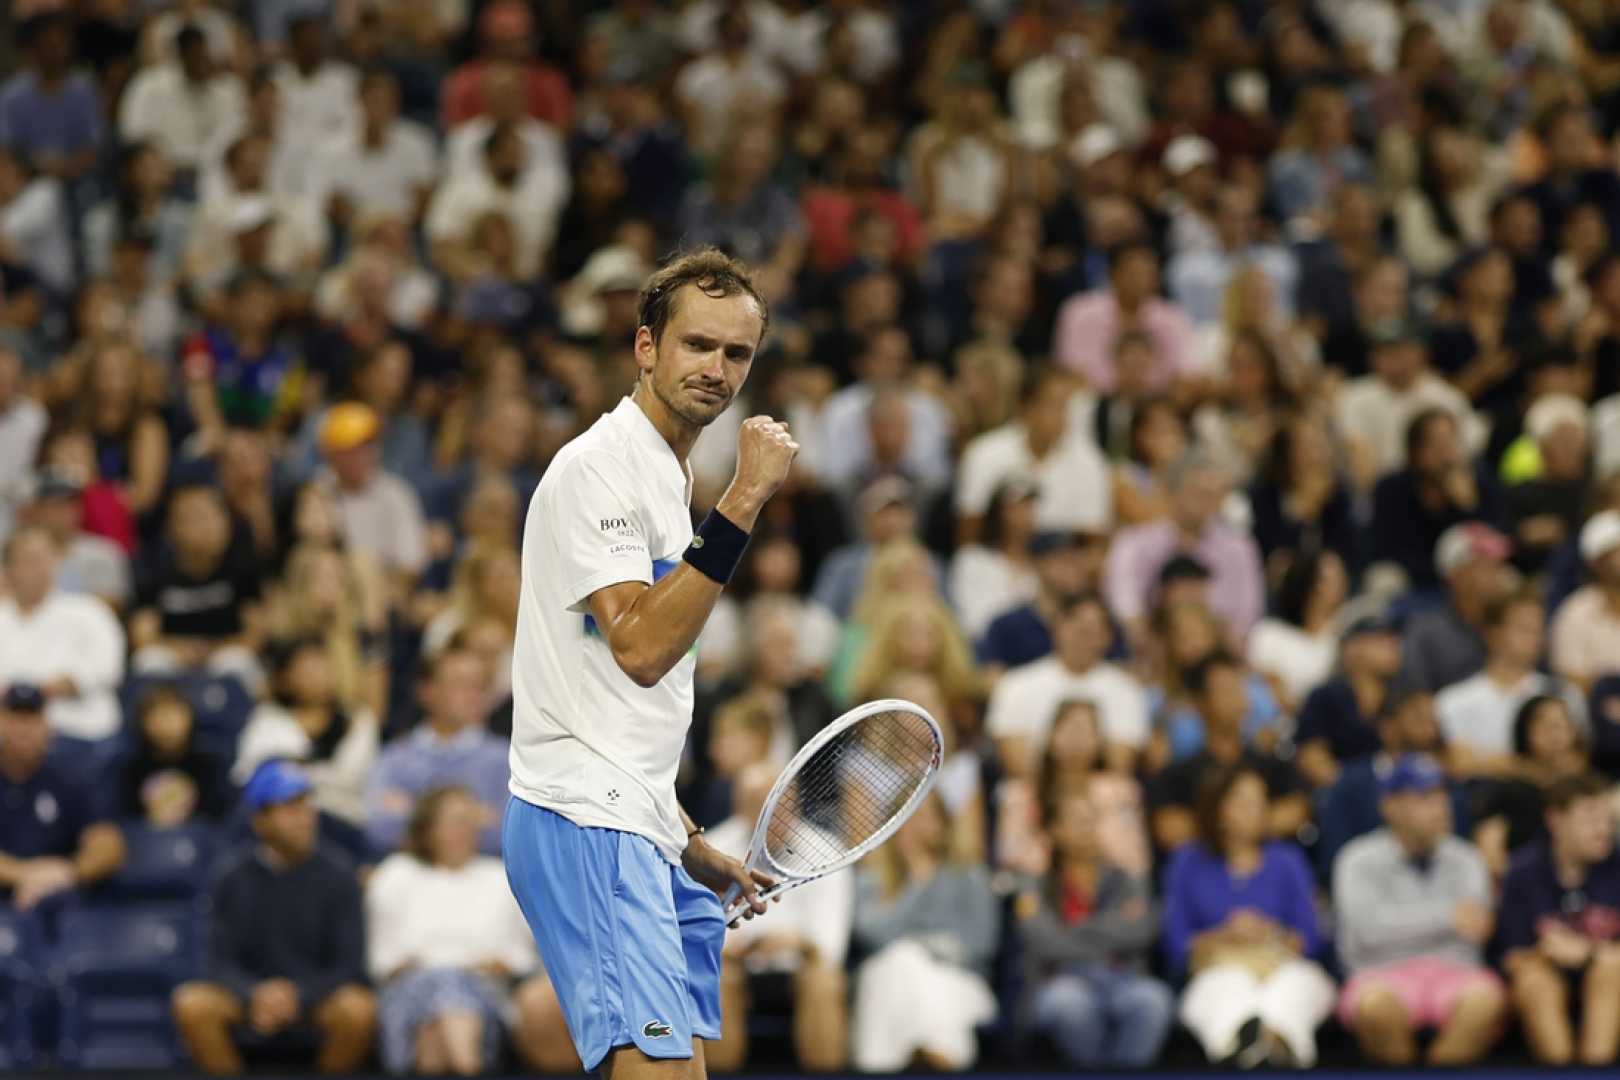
[(707, 269), (423, 813), (1566, 791)]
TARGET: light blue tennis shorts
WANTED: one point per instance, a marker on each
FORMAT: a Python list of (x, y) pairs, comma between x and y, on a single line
[(631, 942)]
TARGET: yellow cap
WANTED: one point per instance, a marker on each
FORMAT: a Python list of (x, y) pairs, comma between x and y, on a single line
[(348, 425)]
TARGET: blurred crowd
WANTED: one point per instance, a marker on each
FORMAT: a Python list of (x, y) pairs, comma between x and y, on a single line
[(1210, 412)]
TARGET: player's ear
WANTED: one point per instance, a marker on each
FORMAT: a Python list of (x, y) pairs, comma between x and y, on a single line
[(646, 349)]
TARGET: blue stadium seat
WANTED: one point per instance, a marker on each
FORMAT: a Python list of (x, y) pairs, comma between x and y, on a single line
[(114, 970), (20, 950), (164, 864), (220, 703)]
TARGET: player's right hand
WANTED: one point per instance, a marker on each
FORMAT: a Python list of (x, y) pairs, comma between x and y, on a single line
[(765, 453)]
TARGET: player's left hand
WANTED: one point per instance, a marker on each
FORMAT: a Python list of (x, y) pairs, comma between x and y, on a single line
[(714, 868)]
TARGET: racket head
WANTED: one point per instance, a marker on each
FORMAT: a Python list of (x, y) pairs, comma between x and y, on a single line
[(877, 761)]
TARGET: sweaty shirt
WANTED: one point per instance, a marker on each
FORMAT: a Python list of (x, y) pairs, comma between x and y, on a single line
[(587, 742)]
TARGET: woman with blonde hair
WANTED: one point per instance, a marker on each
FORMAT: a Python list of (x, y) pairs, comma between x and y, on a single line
[(915, 633), (899, 567), (484, 583), (927, 915), (325, 594)]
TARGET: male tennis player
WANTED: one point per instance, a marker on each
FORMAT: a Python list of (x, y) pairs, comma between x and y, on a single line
[(617, 884)]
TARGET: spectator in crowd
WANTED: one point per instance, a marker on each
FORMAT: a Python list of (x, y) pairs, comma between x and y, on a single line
[(1477, 714), (1189, 634), (336, 598), (1509, 812), (381, 516), (880, 424), (1155, 440), (507, 32), (50, 115), (1445, 645), (1376, 413), (1300, 502), (57, 836), (1087, 928), (1547, 508), (995, 575), (444, 999), (504, 185), (1025, 700), (1317, 156), (1198, 486), (805, 941), (927, 919), (131, 439), (887, 513), (22, 427), (33, 225), (1296, 649), (319, 93), (1088, 324), (1556, 928), (182, 104), (1585, 633), (67, 644), (450, 745), (197, 601), (1337, 720), (1066, 564), (286, 944), (167, 778), (1240, 920), (1414, 910), (384, 164), (88, 564)]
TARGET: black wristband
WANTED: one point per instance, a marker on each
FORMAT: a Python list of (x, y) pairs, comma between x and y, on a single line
[(716, 548)]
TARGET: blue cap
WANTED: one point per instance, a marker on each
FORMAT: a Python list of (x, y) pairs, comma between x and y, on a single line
[(273, 783), (24, 697), (1412, 772)]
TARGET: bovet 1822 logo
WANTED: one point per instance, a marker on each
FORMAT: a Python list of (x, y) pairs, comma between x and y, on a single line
[(613, 524)]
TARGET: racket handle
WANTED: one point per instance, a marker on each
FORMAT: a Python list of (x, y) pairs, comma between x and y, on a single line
[(733, 903)]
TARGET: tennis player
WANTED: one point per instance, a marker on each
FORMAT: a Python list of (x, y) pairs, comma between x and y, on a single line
[(618, 886)]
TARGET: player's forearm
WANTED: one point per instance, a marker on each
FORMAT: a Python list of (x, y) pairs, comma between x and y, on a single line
[(662, 624)]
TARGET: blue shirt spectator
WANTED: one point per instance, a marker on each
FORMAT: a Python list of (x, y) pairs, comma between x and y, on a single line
[(50, 116)]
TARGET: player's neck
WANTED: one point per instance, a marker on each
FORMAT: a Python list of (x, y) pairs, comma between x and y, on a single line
[(679, 434)]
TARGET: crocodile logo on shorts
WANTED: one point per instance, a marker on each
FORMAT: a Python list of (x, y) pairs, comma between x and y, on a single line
[(656, 1029)]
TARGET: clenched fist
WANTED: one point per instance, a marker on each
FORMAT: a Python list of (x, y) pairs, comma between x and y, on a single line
[(765, 453)]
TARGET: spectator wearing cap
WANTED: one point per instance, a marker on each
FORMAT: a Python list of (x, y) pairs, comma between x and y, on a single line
[(1444, 645), (1088, 323), (1477, 714), (22, 427), (286, 950), (506, 32), (54, 835), (1558, 928), (1049, 441), (449, 746), (1375, 412), (1337, 720), (68, 645), (885, 511), (1190, 164), (88, 564), (1066, 564), (49, 113), (383, 165), (1026, 699), (197, 598), (1549, 479), (1198, 278), (182, 104), (381, 515), (1414, 913), (1439, 488), (1198, 487), (996, 575), (1585, 637)]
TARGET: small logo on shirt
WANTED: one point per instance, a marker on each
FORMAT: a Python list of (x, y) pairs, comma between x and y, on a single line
[(656, 1029), (613, 796)]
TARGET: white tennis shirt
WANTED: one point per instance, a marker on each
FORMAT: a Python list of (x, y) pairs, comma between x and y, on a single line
[(587, 742)]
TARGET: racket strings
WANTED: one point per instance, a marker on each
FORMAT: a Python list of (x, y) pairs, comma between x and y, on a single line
[(849, 790)]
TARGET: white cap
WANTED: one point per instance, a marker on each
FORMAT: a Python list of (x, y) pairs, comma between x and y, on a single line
[(1093, 144), (1467, 542), (1186, 153), (249, 213), (615, 267), (1600, 535), (1550, 413)]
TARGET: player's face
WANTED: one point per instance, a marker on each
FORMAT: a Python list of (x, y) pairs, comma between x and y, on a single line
[(702, 359)]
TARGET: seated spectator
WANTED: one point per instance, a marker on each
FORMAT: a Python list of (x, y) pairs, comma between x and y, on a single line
[(305, 722), (484, 585), (1066, 564), (1446, 645), (444, 1001), (1338, 721), (1047, 441), (501, 445), (380, 514), (54, 835), (69, 645), (1088, 323), (1218, 685), (528, 198), (336, 597), (1198, 486), (241, 369), (1300, 502), (742, 210), (769, 583), (1546, 507), (184, 104), (928, 923), (110, 400), (507, 34), (1477, 714), (1509, 811), (286, 949), (1190, 634), (1585, 636), (1414, 913), (166, 778), (1296, 649), (89, 564), (744, 731), (1240, 922), (1439, 488), (1557, 929), (23, 421), (1156, 440), (50, 114), (1025, 700), (1374, 414), (384, 164), (146, 208), (33, 225), (887, 513), (449, 746), (1317, 157), (802, 945), (901, 566), (1087, 928), (916, 635), (197, 597)]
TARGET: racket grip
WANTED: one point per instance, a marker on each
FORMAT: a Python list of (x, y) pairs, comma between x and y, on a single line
[(733, 903)]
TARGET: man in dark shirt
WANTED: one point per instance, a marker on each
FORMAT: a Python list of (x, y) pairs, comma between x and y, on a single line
[(1066, 565), (1573, 176), (1336, 721), (286, 948), (1558, 928), (1220, 687), (1446, 644), (52, 837)]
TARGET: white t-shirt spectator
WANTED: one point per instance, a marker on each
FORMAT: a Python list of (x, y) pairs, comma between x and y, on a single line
[(846, 438), (545, 159), (1478, 712), (1075, 489), (531, 205), (385, 521), (1376, 415), (67, 636), (1585, 637), (712, 88), (1025, 702), (382, 179), (183, 119), (1300, 661), (984, 583), (339, 781), (34, 228), (320, 106), (438, 917)]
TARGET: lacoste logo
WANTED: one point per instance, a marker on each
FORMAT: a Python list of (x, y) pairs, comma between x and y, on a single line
[(656, 1029), (697, 541)]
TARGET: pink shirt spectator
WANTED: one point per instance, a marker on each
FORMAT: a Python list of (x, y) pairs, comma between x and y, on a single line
[(1236, 590), (1088, 324)]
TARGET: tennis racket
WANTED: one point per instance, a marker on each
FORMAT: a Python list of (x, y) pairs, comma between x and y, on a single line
[(844, 793)]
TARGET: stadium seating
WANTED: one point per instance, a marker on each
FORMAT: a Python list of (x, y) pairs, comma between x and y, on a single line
[(20, 947), (164, 864), (220, 707)]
